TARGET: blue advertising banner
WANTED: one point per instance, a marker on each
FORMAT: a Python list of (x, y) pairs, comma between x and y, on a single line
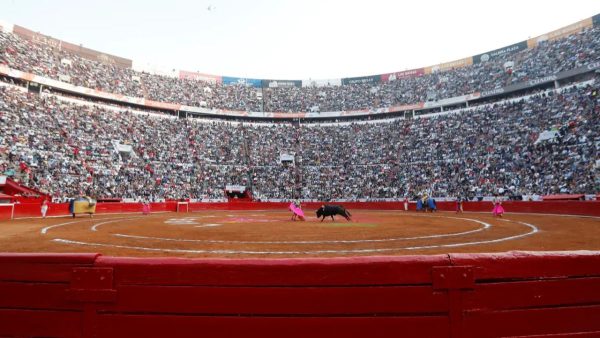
[(229, 80), (517, 47)]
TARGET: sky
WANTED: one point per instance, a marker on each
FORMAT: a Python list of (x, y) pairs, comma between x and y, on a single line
[(302, 39)]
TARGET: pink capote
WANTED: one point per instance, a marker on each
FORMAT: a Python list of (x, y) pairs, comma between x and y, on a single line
[(498, 209), (296, 210)]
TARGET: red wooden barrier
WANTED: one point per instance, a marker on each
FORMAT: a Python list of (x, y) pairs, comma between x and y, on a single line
[(552, 294), (6, 211), (589, 208)]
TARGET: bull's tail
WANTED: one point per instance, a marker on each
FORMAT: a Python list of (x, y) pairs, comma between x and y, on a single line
[(347, 214)]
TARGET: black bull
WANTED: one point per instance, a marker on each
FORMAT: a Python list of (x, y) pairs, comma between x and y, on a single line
[(330, 210)]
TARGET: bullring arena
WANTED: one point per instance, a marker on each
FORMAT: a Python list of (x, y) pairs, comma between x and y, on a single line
[(271, 233), (142, 201), (247, 269)]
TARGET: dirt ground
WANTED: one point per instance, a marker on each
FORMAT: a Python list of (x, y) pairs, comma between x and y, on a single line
[(271, 234)]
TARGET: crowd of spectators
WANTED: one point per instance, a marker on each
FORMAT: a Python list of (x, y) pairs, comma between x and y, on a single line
[(547, 58), (45, 60), (69, 149), (480, 151)]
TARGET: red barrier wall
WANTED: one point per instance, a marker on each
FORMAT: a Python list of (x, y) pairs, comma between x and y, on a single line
[(62, 209), (590, 208), (512, 294), (6, 212)]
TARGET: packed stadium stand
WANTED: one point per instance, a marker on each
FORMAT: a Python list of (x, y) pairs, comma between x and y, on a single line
[(522, 140), (506, 68), (60, 147)]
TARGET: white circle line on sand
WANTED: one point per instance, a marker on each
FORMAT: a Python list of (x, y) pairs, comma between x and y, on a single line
[(414, 213), (44, 230), (95, 226), (180, 221), (207, 225), (533, 230), (484, 227)]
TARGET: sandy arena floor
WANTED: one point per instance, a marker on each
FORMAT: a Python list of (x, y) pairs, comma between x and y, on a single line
[(262, 234)]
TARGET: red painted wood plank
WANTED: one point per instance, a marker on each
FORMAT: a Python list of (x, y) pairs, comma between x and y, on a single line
[(595, 334), (527, 265), (117, 326), (565, 320), (278, 300), (42, 267), (533, 294), (48, 258), (35, 296), (54, 273), (27, 323), (275, 272)]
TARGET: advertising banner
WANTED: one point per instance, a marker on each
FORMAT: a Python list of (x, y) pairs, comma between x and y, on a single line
[(79, 50), (162, 105), (229, 80), (38, 38), (519, 86), (442, 67), (542, 80), (451, 100), (321, 82), (281, 83), (514, 48), (570, 29), (402, 75), (561, 32), (406, 107), (578, 71), (235, 187), (183, 74), (362, 79), (67, 86)]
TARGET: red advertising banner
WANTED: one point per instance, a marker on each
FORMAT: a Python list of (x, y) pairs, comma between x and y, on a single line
[(402, 75), (184, 74)]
